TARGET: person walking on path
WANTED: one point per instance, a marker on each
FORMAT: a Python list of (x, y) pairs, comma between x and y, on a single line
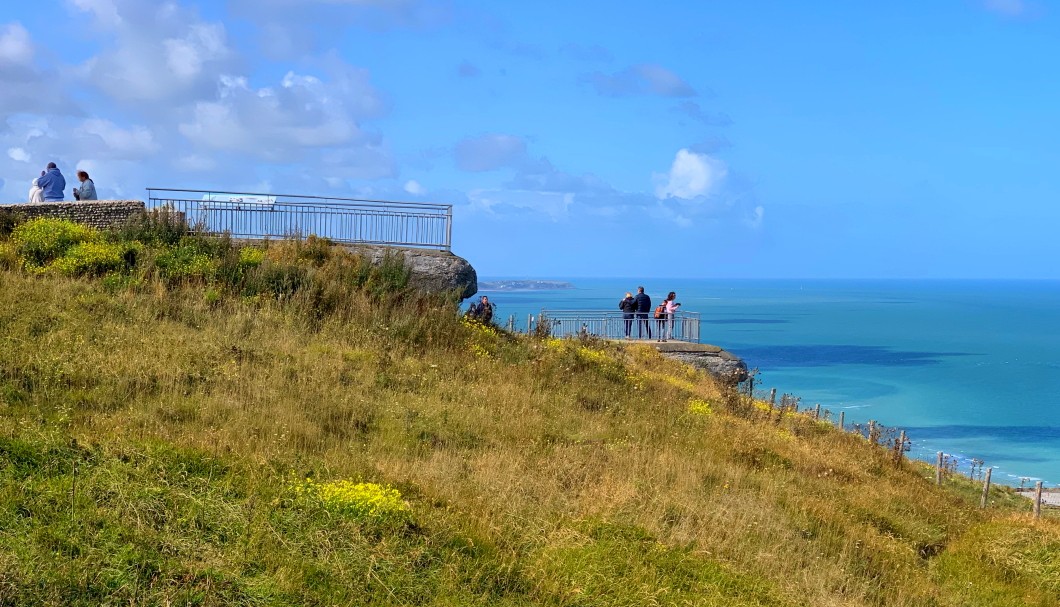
[(53, 183), (671, 311), (643, 307), (629, 309), (87, 191)]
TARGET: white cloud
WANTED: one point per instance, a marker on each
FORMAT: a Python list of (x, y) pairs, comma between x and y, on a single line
[(22, 79), (276, 122), (18, 154), (195, 163), (154, 52), (691, 175), (105, 12), (413, 187), (757, 217), (640, 79), (132, 142), (554, 205), (372, 3), (203, 43), (16, 47), (183, 86)]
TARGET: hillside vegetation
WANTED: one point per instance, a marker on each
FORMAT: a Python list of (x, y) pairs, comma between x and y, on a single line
[(187, 422)]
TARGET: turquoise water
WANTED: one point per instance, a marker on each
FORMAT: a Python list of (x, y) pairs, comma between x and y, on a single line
[(969, 368)]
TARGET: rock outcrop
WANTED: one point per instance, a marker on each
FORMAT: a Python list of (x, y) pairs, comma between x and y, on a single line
[(723, 365), (720, 363), (430, 271)]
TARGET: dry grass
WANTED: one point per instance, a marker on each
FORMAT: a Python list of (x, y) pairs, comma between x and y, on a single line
[(538, 471)]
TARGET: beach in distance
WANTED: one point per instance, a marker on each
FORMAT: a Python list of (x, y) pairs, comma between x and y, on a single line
[(971, 368)]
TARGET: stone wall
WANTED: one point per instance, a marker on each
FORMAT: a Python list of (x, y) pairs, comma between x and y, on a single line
[(96, 213)]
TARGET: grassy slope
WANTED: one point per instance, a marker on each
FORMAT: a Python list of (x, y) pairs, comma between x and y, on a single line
[(149, 441)]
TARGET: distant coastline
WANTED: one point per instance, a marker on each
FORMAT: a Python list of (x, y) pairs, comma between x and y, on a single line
[(523, 285)]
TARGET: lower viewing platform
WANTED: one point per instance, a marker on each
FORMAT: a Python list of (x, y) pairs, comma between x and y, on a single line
[(680, 327)]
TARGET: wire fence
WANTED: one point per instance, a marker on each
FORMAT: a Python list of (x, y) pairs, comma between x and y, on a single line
[(342, 220), (948, 466)]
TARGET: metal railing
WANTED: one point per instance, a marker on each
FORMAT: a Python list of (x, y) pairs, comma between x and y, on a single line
[(343, 220), (683, 326)]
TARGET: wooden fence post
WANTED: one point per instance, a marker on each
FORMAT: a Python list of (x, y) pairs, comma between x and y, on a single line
[(842, 420), (817, 411), (901, 446), (938, 469), (772, 397), (986, 488), (872, 431), (1038, 499)]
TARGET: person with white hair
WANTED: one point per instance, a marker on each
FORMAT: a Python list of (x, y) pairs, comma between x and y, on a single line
[(36, 193)]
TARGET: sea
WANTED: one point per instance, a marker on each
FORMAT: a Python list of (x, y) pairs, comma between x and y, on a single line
[(970, 368)]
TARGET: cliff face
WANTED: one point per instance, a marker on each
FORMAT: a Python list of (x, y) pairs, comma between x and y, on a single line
[(431, 271)]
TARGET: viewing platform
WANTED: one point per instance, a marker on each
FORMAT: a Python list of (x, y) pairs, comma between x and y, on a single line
[(683, 341), (341, 220), (606, 324), (420, 233)]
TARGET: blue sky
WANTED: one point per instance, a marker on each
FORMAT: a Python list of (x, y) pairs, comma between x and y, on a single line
[(696, 140)]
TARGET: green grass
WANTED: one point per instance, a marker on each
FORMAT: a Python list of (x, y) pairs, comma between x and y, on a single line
[(156, 435)]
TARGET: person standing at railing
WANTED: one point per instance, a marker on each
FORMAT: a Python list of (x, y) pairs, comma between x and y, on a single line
[(670, 310), (643, 307), (629, 309), (660, 321)]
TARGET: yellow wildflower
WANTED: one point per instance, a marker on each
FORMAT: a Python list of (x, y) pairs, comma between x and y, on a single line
[(365, 501), (698, 406)]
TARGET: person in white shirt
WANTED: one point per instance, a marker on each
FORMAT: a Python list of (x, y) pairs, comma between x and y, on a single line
[(36, 193)]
